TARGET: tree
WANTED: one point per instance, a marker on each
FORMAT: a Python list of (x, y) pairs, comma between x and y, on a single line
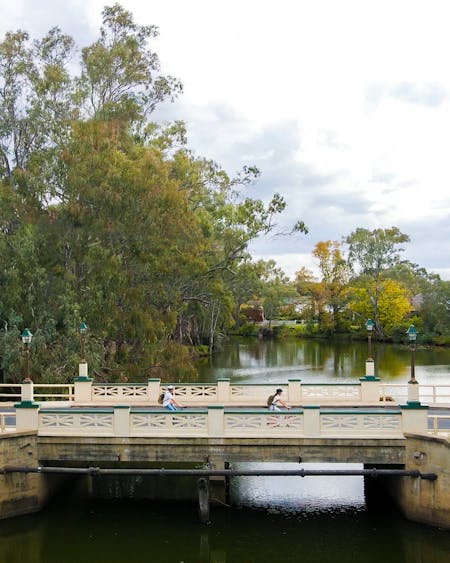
[(393, 304), (335, 275), (309, 287), (120, 75), (371, 254), (109, 218)]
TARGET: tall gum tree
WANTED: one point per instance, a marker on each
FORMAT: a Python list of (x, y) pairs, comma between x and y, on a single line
[(371, 254)]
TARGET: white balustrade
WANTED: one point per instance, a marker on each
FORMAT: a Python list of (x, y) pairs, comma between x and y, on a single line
[(440, 424), (195, 394), (65, 422), (364, 424), (119, 392), (260, 425), (331, 392), (255, 395), (7, 421), (85, 392), (168, 423), (217, 422)]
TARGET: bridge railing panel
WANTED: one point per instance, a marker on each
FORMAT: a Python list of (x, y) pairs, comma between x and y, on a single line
[(167, 423), (256, 425), (7, 421), (64, 422), (439, 424), (323, 392), (119, 392), (378, 425), (194, 393), (254, 394)]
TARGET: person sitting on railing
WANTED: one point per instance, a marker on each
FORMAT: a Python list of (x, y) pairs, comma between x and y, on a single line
[(277, 401), (169, 401)]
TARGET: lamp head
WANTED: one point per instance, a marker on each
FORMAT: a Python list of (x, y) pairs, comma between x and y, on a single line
[(82, 328), (369, 325), (412, 333), (26, 336)]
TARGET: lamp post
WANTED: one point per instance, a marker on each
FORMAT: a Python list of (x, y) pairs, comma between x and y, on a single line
[(83, 330), (413, 387), (369, 327), (26, 337), (412, 337), (370, 367), (82, 365)]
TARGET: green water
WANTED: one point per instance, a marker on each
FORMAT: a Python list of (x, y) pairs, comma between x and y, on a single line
[(271, 519), (259, 361), (328, 523)]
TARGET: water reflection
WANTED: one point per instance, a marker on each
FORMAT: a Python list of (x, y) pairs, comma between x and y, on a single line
[(298, 494), (336, 531), (256, 361)]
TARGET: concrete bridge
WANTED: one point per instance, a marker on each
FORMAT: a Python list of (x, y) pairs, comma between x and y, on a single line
[(121, 426)]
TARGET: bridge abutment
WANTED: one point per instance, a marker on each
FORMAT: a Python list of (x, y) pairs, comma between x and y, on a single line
[(22, 493), (424, 501)]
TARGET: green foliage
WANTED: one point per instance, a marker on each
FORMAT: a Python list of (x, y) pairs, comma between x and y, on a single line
[(109, 218)]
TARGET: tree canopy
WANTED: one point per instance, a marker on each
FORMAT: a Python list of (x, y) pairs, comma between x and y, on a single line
[(107, 216)]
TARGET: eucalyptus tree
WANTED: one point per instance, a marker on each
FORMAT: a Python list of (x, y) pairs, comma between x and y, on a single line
[(371, 254)]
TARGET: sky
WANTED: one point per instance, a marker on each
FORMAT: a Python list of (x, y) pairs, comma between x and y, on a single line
[(343, 105)]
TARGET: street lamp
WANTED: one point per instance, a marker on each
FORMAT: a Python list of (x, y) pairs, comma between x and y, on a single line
[(26, 337), (83, 330), (412, 336), (369, 327)]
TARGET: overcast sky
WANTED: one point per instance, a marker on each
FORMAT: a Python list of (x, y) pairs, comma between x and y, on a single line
[(344, 105)]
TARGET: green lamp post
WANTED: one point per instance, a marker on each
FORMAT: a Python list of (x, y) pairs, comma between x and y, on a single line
[(369, 328), (83, 330), (26, 337), (412, 337)]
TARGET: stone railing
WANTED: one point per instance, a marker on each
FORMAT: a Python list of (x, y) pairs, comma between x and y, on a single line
[(223, 392), (365, 391), (219, 422)]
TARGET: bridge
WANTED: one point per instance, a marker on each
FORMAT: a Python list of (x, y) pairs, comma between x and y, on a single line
[(120, 426)]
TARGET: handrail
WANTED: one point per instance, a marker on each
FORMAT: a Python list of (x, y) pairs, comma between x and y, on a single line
[(436, 418), (229, 393), (3, 424)]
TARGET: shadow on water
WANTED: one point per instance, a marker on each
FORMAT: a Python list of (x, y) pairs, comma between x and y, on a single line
[(288, 519)]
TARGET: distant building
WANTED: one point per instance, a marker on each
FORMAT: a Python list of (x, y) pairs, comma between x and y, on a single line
[(253, 311)]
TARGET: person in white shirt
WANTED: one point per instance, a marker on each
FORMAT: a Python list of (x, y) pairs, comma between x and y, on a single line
[(169, 401), (278, 402)]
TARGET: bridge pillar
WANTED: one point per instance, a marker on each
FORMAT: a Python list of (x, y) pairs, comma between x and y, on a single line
[(83, 389), (27, 392), (294, 391), (415, 418), (218, 484), (370, 389), (203, 500), (121, 420), (370, 368), (27, 416), (413, 392), (153, 389), (311, 421), (223, 390), (216, 419)]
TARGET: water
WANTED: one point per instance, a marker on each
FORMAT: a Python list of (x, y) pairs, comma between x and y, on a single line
[(272, 519), (287, 519), (313, 361)]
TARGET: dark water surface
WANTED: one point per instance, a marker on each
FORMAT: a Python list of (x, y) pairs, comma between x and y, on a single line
[(272, 529), (271, 519)]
